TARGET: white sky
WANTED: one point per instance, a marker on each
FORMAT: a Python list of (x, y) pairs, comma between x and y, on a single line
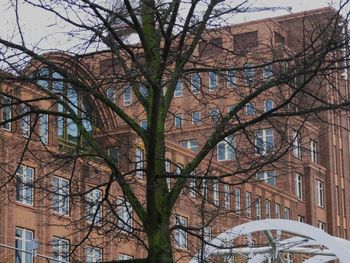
[(38, 24)]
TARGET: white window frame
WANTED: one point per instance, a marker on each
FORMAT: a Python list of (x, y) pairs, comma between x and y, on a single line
[(319, 193), (237, 195), (195, 83), (139, 162), (207, 233), (44, 128), (249, 74), (178, 121), (214, 115), (144, 124), (127, 96), (93, 255), (61, 195), (277, 211), (124, 257), (231, 78), (265, 105), (261, 137), (321, 225), (6, 112), (125, 215), (190, 144), (267, 209), (196, 119), (24, 185), (248, 204), (227, 197), (228, 148), (268, 177), (249, 109), (313, 151), (111, 94), (299, 186), (26, 122), (258, 208), (192, 185), (216, 193), (180, 235), (26, 244), (297, 144), (178, 88), (213, 80), (94, 207), (60, 249), (287, 213), (301, 219), (267, 71)]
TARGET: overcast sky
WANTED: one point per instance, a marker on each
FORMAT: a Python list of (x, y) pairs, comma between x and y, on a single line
[(37, 24)]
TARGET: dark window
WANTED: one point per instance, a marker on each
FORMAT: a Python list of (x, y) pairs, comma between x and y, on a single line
[(211, 47), (245, 41), (109, 66), (279, 39)]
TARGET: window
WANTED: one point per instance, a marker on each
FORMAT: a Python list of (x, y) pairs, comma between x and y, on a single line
[(248, 204), (299, 186), (60, 249), (139, 162), (203, 185), (167, 172), (277, 211), (249, 74), (144, 124), (264, 141), (178, 121), (195, 83), (267, 71), (180, 235), (178, 89), (321, 225), (93, 255), (94, 209), (296, 144), (110, 93), (267, 176), (127, 99), (213, 81), (319, 193), (227, 197), (207, 233), (249, 109), (267, 209), (268, 105), (143, 90), (24, 241), (245, 41), (216, 193), (192, 185), (190, 144), (231, 78), (237, 194), (113, 153), (25, 121), (60, 195), (124, 257), (44, 128), (286, 213), (214, 115), (225, 149), (230, 108), (301, 219), (24, 185), (196, 118), (258, 208), (6, 113), (313, 151), (124, 211)]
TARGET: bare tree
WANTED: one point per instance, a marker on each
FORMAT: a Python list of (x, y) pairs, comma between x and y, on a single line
[(103, 120)]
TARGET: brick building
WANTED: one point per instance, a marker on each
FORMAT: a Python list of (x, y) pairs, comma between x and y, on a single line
[(292, 167)]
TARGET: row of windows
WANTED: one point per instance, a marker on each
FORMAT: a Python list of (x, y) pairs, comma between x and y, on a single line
[(26, 245), (61, 202)]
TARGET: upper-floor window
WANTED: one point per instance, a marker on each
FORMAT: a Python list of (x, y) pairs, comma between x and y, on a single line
[(277, 211), (93, 255), (319, 193), (249, 109), (296, 144), (267, 71), (245, 41), (180, 235), (124, 257), (23, 240), (249, 74), (94, 207), (214, 115), (6, 113), (227, 196), (299, 186), (231, 78), (268, 105), (237, 194), (264, 141), (213, 81), (25, 125), (178, 121), (216, 193), (321, 225), (178, 89), (301, 219), (124, 211), (207, 233), (127, 96), (195, 83), (110, 93), (286, 213), (313, 151), (226, 149), (196, 117), (60, 195), (144, 124), (24, 185), (113, 153), (44, 128), (248, 204), (190, 144), (258, 208), (139, 162), (267, 176), (267, 209), (60, 249), (143, 91)]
